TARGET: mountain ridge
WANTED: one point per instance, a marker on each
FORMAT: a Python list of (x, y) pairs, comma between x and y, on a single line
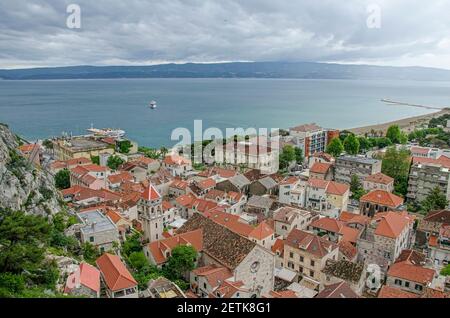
[(281, 70)]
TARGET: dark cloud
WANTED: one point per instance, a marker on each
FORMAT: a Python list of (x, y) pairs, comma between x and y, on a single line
[(34, 33)]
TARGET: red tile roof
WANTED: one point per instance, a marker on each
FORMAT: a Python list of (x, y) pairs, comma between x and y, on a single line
[(120, 177), (442, 161), (214, 274), (158, 248), (409, 267), (392, 224), (349, 217), (347, 248), (311, 243), (179, 184), (261, 231), (86, 275), (392, 292), (335, 226), (289, 180), (150, 193), (206, 183), (278, 246), (230, 221), (115, 273), (176, 160), (113, 215), (382, 197), (282, 294), (320, 167), (380, 178), (338, 290), (166, 205)]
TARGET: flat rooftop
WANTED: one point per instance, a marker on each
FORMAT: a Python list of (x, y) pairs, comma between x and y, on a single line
[(83, 144), (358, 159), (95, 221)]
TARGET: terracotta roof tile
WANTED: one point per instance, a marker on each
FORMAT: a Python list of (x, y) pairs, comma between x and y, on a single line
[(379, 178), (222, 244), (392, 292), (114, 272), (382, 197)]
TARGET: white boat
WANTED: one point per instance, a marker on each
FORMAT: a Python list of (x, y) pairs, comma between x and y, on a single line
[(152, 104), (107, 132)]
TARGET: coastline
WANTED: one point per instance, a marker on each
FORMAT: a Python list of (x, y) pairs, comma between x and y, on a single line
[(406, 124)]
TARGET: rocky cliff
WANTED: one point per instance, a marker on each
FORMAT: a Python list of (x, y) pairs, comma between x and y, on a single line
[(22, 185)]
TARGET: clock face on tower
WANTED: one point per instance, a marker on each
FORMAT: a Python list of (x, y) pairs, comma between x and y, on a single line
[(254, 267)]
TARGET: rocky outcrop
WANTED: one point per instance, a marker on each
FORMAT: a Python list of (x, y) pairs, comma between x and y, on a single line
[(22, 185)]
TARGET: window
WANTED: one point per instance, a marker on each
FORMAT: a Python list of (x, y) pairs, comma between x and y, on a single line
[(301, 259), (406, 284), (291, 255), (91, 239), (418, 287), (398, 282), (311, 273), (312, 263), (204, 285), (300, 269)]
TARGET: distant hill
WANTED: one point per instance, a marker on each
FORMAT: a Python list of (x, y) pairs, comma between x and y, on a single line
[(304, 70)]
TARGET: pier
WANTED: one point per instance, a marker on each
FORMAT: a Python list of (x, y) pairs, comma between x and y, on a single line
[(388, 101)]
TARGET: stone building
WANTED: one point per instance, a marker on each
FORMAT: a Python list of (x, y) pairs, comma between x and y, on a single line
[(80, 147), (117, 280), (378, 181), (384, 238), (151, 214), (362, 167), (98, 230), (379, 201), (409, 273), (307, 254), (288, 218)]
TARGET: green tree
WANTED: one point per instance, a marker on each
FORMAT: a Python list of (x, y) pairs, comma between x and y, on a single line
[(180, 262), (436, 200), (21, 238), (335, 147), (299, 155), (95, 159), (137, 260), (364, 143), (47, 143), (446, 270), (383, 142), (124, 146), (351, 145), (114, 162), (396, 164), (286, 157), (90, 252), (11, 284), (394, 134), (132, 244), (163, 151), (62, 179), (356, 188)]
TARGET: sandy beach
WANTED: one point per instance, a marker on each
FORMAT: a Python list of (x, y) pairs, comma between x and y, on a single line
[(406, 124)]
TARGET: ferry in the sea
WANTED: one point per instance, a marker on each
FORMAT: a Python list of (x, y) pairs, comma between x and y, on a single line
[(107, 132), (152, 104)]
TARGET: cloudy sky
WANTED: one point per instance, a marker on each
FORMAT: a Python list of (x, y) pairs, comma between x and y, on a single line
[(136, 32)]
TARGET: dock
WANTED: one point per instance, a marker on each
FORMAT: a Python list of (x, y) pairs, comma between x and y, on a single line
[(393, 102)]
